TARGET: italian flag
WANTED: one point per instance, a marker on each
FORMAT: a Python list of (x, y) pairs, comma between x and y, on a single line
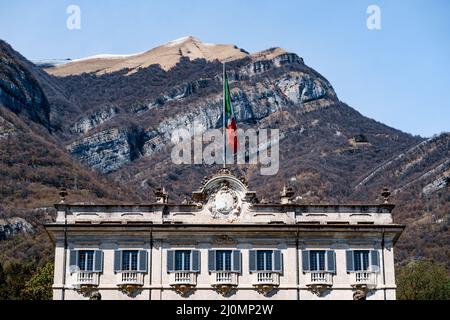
[(230, 120)]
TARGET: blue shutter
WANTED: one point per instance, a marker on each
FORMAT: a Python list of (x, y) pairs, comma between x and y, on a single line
[(331, 261), (142, 267), (375, 261), (350, 262), (252, 260), (117, 260), (278, 261), (236, 261), (170, 260), (211, 260), (305, 261), (98, 261), (195, 254), (73, 260)]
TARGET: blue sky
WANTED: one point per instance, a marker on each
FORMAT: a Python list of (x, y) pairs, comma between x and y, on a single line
[(399, 75)]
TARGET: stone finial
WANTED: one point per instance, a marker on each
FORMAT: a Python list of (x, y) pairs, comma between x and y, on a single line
[(62, 195), (286, 195), (161, 195), (385, 194)]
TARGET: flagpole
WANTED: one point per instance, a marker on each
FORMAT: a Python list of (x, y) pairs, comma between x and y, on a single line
[(223, 116)]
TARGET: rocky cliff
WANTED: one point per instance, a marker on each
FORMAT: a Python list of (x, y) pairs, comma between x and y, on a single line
[(117, 121), (262, 84), (13, 226), (19, 90)]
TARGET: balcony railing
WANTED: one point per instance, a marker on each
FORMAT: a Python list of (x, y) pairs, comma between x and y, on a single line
[(364, 278), (266, 278), (224, 278), (130, 278), (183, 278), (320, 278), (85, 278)]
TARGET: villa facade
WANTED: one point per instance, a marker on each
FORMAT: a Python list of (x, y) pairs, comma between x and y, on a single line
[(224, 244)]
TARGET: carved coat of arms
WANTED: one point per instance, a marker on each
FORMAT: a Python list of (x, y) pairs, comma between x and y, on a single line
[(224, 202)]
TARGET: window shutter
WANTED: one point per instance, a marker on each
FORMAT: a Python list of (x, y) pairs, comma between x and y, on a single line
[(237, 261), (142, 267), (211, 260), (305, 261), (117, 260), (195, 254), (73, 260), (98, 261), (278, 262), (375, 261), (331, 261), (252, 260), (350, 262), (170, 260)]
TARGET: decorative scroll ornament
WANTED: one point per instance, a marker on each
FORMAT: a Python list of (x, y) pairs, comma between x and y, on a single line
[(183, 289), (86, 290), (319, 289), (224, 240), (360, 294), (265, 289), (130, 289), (225, 289)]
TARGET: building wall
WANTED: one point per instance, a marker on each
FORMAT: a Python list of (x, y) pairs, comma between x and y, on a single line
[(156, 280)]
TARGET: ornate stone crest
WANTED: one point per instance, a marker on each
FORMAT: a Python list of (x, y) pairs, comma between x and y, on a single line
[(224, 202)]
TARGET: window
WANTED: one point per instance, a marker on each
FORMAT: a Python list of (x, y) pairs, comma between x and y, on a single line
[(361, 260), (264, 260), (182, 260), (317, 260), (129, 260), (223, 260), (86, 260)]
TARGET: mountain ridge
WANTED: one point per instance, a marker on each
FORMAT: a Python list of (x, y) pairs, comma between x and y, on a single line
[(118, 125), (166, 55)]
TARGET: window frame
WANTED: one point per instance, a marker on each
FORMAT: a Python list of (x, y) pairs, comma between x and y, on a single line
[(185, 265), (131, 254), (85, 253), (265, 254), (361, 255), (318, 254), (227, 260)]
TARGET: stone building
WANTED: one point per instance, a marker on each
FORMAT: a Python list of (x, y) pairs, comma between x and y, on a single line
[(224, 244)]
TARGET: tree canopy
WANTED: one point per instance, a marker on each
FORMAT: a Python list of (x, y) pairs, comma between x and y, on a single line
[(423, 280)]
